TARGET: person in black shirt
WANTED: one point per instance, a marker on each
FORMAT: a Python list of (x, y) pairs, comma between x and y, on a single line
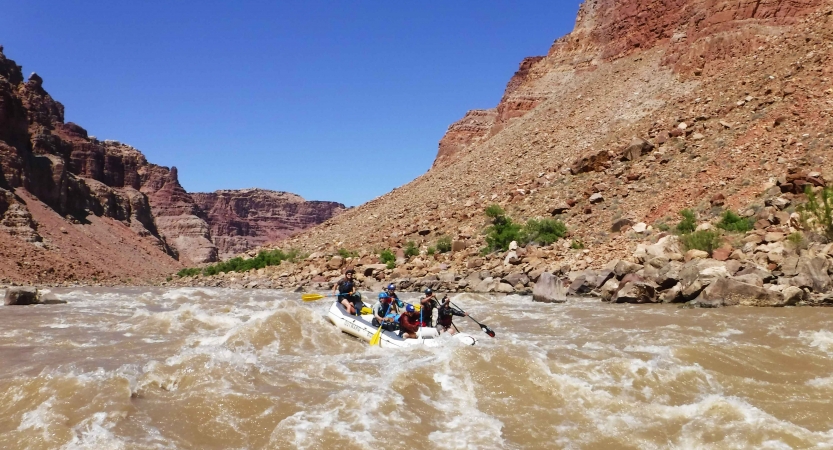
[(347, 295)]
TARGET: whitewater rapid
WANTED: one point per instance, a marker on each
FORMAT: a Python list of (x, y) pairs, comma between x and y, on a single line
[(142, 368)]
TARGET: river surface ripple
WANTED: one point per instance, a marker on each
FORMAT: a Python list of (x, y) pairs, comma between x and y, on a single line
[(219, 368)]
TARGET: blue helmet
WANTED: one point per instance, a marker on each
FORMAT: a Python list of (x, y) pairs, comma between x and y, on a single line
[(383, 295), (391, 287), (409, 308)]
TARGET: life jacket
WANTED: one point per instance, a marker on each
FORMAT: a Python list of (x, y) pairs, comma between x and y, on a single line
[(345, 286)]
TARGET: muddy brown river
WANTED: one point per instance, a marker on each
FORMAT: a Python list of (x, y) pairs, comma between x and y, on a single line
[(218, 368)]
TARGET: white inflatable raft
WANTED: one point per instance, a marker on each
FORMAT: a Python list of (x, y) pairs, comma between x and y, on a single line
[(362, 328)]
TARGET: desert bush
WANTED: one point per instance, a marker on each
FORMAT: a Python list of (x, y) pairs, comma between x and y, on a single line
[(411, 249), (387, 256), (797, 240), (344, 253), (734, 223), (444, 244), (263, 259), (431, 251), (704, 240), (577, 244), (817, 212), (188, 272), (544, 231), (689, 222)]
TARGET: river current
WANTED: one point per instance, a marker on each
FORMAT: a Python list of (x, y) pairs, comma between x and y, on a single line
[(217, 368)]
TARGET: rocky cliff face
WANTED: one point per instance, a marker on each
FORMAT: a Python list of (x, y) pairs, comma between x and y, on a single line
[(696, 38), (241, 220), (646, 108), (62, 191)]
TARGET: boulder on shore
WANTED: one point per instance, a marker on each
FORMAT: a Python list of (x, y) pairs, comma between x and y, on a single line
[(548, 289), (729, 292)]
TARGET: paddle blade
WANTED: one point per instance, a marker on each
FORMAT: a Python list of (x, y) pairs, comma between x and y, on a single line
[(377, 338), (312, 297), (488, 330), (365, 310)]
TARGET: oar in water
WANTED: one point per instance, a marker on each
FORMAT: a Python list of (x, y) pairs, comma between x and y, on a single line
[(486, 329)]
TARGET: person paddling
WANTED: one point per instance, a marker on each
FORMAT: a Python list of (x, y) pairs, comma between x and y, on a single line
[(383, 313), (445, 316), (427, 305), (347, 295), (409, 323)]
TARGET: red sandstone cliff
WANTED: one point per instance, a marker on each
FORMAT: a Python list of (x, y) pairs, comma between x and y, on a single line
[(244, 219), (75, 207), (697, 37)]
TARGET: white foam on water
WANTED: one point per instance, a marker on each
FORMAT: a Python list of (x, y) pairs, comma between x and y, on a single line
[(95, 433), (41, 418), (822, 339), (463, 424)]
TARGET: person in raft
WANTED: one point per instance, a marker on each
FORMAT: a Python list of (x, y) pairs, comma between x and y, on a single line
[(409, 322), (384, 314), (391, 291), (426, 310), (347, 295), (445, 315)]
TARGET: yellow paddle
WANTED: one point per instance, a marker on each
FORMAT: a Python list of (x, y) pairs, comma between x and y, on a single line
[(377, 337), (314, 297)]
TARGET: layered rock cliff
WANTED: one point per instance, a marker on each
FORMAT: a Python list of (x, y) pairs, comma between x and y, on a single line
[(244, 219), (75, 207), (646, 108)]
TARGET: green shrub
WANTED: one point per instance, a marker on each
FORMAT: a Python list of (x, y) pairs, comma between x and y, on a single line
[(391, 264), (502, 231), (444, 244), (662, 226), (544, 231), (817, 212), (704, 240), (431, 251), (577, 244), (344, 253), (263, 259), (734, 223), (689, 222), (411, 249), (494, 211), (387, 256), (189, 272)]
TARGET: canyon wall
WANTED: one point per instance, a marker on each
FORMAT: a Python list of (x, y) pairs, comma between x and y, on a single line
[(75, 207), (241, 220)]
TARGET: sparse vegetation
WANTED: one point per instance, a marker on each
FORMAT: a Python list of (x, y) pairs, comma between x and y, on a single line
[(502, 231), (544, 231), (705, 240), (263, 259), (344, 253), (577, 244), (189, 272), (431, 251), (444, 244), (817, 212), (411, 249), (387, 257), (734, 223), (689, 222), (662, 226)]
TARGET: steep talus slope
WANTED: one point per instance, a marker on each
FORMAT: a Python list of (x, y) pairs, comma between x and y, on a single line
[(728, 96), (247, 218)]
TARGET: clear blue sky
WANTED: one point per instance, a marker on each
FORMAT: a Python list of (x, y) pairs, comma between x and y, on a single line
[(331, 100)]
